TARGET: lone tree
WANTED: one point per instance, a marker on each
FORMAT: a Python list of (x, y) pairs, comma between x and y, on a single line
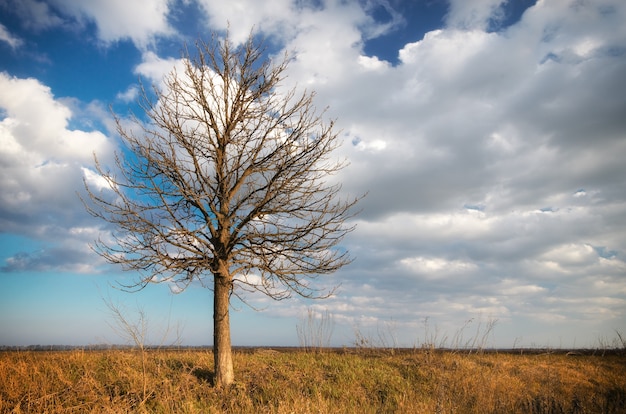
[(226, 180)]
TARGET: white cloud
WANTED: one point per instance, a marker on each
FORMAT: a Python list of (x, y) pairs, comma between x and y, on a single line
[(572, 255), (373, 63), (285, 20), (372, 146), (129, 95), (138, 20), (514, 288), (94, 180), (437, 267), (156, 68), (240, 16), (36, 126), (42, 168), (475, 14), (8, 38)]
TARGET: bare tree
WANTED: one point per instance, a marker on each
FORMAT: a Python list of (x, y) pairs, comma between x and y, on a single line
[(227, 181)]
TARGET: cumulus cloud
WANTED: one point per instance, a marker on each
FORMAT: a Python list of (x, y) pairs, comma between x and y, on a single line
[(42, 162), (155, 68), (241, 16), (129, 95), (485, 116), (515, 121), (285, 19), (139, 20), (474, 15), (492, 156)]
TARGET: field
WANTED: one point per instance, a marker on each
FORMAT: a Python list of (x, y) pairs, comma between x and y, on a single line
[(329, 381)]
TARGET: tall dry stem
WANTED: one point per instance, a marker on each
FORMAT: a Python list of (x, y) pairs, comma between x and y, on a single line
[(315, 330)]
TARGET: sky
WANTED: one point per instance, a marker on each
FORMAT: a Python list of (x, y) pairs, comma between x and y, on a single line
[(489, 136)]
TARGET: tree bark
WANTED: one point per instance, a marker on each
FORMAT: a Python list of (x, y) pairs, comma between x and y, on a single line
[(222, 353)]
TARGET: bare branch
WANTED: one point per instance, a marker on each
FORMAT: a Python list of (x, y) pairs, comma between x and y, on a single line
[(227, 180)]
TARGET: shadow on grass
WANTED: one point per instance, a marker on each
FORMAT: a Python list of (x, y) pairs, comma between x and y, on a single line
[(203, 374)]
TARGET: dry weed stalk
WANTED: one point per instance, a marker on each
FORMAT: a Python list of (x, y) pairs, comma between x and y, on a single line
[(135, 331), (315, 330)]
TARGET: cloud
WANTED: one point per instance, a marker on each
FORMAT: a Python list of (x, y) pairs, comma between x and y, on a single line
[(155, 68), (240, 16), (5, 36), (129, 95), (517, 122), (141, 21), (284, 20), (33, 14), (61, 258), (492, 156), (474, 15), (483, 115), (492, 159), (42, 167)]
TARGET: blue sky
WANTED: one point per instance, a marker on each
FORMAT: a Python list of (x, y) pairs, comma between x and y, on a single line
[(489, 135)]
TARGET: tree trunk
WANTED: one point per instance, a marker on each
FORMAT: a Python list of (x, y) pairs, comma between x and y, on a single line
[(222, 352)]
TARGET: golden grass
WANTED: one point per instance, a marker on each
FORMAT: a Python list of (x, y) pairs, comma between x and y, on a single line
[(297, 382)]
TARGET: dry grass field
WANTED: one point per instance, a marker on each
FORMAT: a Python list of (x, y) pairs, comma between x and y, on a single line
[(293, 381)]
